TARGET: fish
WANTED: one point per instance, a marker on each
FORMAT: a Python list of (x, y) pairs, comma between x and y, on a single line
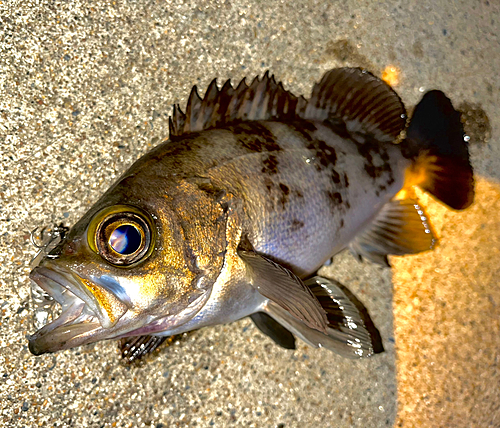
[(233, 215)]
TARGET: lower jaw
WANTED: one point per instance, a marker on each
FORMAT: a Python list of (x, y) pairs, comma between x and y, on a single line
[(63, 337)]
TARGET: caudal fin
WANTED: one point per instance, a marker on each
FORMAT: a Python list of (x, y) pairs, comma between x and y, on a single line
[(436, 143)]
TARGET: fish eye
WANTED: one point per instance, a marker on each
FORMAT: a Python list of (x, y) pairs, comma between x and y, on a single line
[(121, 238), (125, 239)]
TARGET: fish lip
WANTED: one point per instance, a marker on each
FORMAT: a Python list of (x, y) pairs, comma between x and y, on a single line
[(63, 337), (77, 321)]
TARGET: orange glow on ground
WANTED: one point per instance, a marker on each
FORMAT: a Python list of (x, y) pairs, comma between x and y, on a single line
[(391, 75)]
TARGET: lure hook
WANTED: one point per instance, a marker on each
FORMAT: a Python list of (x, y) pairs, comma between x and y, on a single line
[(47, 238)]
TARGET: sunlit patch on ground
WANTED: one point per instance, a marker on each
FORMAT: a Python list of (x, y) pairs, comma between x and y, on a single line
[(447, 317)]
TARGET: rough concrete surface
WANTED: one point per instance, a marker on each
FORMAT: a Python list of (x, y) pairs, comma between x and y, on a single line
[(86, 87)]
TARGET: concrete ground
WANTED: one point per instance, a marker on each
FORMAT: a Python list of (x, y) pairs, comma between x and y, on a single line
[(86, 87)]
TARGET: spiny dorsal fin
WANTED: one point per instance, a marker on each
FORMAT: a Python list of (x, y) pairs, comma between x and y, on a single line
[(356, 99), (264, 99), (361, 103)]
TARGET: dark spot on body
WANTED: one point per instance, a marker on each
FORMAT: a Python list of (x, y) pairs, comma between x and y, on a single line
[(305, 128), (296, 225), (337, 126), (285, 190), (346, 180), (270, 165), (323, 152), (377, 161), (225, 208), (341, 222), (370, 150), (255, 137), (320, 150), (335, 177), (335, 199), (268, 183)]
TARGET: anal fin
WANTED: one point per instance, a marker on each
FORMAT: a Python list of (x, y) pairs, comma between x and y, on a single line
[(401, 227)]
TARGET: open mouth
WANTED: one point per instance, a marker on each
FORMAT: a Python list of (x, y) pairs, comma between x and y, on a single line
[(68, 312), (77, 318)]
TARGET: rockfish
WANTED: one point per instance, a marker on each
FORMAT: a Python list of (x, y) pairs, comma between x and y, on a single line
[(233, 215)]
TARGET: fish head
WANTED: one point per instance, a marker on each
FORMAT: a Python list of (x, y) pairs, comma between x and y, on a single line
[(131, 267)]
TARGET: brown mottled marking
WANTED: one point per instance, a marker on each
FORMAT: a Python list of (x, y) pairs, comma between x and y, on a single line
[(304, 128), (298, 193), (296, 225), (255, 137), (270, 165), (323, 152), (346, 180), (367, 150), (284, 195), (211, 190), (335, 199), (335, 177), (284, 188), (268, 183)]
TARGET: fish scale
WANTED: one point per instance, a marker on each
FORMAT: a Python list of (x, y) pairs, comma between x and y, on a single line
[(321, 213)]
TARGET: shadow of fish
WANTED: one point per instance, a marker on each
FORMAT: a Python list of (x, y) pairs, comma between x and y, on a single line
[(253, 192)]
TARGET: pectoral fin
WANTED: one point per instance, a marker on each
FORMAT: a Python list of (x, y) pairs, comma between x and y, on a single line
[(279, 334), (401, 227), (284, 288), (350, 331)]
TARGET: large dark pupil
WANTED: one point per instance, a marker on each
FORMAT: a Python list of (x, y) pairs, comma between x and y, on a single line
[(125, 239)]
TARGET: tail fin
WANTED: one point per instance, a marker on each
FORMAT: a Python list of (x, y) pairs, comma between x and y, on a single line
[(435, 141), (349, 332)]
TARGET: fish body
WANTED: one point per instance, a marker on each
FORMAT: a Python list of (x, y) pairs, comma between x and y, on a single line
[(252, 193)]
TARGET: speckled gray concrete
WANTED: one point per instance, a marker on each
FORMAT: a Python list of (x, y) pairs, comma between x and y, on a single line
[(86, 88)]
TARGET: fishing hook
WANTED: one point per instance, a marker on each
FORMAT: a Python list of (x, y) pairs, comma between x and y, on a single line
[(46, 238)]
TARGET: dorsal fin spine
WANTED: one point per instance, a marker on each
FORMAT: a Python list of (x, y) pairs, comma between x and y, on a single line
[(366, 104)]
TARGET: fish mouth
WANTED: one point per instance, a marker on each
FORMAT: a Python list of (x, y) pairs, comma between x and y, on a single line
[(82, 319), (78, 322)]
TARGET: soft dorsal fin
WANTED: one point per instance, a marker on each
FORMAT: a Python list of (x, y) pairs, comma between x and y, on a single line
[(264, 99), (363, 103)]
